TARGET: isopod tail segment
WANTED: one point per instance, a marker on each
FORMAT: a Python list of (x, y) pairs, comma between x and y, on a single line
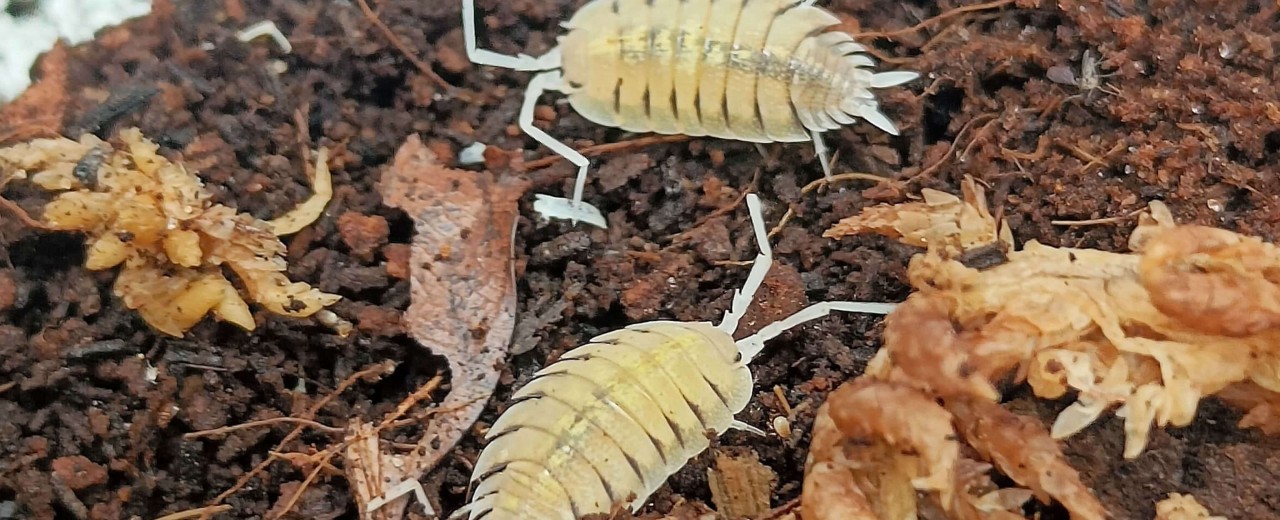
[(829, 111)]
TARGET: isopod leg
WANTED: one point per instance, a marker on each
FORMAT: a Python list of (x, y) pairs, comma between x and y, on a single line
[(751, 346), (573, 209), (739, 425), (823, 155), (548, 61), (742, 298), (404, 488)]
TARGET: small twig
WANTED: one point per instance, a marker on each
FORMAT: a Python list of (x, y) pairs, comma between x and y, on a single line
[(423, 392), (977, 137), (1042, 147), (950, 151), (943, 16), (378, 371), (755, 178), (311, 477), (199, 511), (5, 387), (265, 422), (1097, 221), (601, 149), (306, 458), (422, 66)]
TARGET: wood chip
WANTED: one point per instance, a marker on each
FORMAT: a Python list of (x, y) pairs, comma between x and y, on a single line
[(740, 485)]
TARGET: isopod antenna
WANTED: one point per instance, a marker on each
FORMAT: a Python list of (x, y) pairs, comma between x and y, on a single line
[(752, 345), (764, 260)]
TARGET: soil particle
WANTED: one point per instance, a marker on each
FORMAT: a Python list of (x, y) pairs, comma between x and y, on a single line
[(78, 472), (8, 289), (363, 233)]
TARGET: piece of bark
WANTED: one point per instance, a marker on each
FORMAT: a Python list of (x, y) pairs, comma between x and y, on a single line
[(740, 485)]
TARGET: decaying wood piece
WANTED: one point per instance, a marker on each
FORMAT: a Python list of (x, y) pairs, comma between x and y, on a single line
[(740, 485), (1191, 312), (462, 285)]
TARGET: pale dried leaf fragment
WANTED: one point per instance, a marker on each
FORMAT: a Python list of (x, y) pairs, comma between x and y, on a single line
[(462, 284), (942, 222), (1183, 507), (740, 485)]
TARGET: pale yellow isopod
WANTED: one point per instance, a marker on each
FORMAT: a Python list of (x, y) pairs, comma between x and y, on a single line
[(748, 70), (609, 422)]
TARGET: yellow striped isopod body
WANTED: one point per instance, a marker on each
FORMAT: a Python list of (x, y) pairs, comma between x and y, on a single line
[(606, 425), (748, 70)]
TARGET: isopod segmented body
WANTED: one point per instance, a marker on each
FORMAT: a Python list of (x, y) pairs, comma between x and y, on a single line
[(759, 71), (609, 422), (749, 70), (612, 419)]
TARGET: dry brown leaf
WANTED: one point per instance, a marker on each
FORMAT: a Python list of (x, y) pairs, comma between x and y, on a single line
[(943, 222), (1183, 507), (462, 284), (39, 110), (740, 485)]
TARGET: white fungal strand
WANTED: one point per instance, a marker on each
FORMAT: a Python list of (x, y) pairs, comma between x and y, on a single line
[(749, 70), (607, 424)]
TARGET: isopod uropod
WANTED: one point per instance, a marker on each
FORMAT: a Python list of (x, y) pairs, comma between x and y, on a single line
[(609, 422), (748, 70)]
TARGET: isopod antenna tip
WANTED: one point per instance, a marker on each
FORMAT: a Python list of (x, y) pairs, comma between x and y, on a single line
[(751, 346), (764, 260)]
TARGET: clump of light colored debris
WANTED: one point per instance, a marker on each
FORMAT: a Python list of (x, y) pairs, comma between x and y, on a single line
[(157, 222), (22, 39)]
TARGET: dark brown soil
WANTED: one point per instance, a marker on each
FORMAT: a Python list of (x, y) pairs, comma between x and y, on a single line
[(1187, 114)]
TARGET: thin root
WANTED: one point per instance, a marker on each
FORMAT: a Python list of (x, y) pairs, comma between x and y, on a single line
[(786, 217), (422, 66), (202, 512), (943, 16), (1098, 221), (265, 422), (374, 372), (607, 148)]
